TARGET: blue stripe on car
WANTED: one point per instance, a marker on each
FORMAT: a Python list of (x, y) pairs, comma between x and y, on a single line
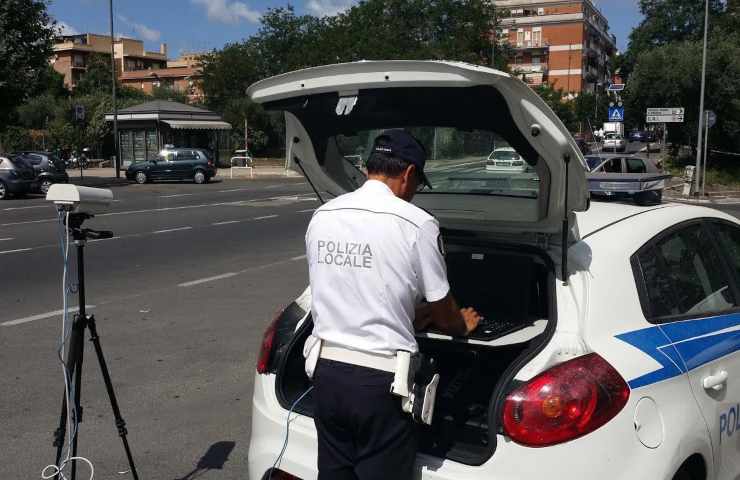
[(680, 347)]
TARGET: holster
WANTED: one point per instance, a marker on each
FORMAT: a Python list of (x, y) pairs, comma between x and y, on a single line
[(416, 381)]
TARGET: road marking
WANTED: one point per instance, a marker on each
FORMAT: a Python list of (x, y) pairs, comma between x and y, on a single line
[(28, 222), (233, 190), (306, 210), (102, 239), (226, 223), (264, 217), (24, 208), (167, 230), (233, 274), (16, 250), (208, 279), (176, 195), (42, 316), (6, 239)]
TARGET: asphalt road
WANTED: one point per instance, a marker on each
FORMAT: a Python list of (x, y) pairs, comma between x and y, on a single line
[(181, 295)]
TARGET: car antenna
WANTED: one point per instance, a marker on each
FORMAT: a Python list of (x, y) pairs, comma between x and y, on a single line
[(300, 165), (564, 252)]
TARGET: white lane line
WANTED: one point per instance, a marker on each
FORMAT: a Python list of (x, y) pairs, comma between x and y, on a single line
[(16, 250), (28, 222), (24, 208), (176, 195), (42, 316), (208, 279), (306, 210), (233, 274), (6, 239), (265, 217), (102, 239), (233, 190), (167, 230), (226, 223)]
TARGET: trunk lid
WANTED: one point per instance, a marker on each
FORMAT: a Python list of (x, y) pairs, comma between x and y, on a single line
[(460, 113)]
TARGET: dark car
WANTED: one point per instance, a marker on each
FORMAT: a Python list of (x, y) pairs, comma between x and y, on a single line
[(637, 136), (194, 164), (16, 177), (48, 169)]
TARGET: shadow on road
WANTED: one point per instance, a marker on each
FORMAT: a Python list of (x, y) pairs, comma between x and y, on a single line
[(214, 459)]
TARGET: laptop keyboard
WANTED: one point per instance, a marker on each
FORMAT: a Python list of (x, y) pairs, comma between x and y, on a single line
[(490, 328)]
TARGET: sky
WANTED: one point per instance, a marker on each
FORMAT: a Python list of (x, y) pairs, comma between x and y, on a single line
[(202, 25)]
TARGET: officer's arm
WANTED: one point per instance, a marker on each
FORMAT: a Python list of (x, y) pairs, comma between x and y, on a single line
[(447, 317)]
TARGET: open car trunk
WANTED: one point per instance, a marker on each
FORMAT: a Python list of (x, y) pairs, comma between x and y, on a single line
[(513, 285)]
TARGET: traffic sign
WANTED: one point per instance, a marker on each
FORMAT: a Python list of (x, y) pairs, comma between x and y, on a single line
[(711, 118), (665, 115), (616, 114), (615, 87), (79, 112)]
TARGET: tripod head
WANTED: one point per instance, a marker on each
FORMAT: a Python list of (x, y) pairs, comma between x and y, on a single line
[(74, 226)]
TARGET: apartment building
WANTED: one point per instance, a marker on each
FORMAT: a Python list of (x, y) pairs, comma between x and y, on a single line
[(71, 53), (564, 43), (182, 74)]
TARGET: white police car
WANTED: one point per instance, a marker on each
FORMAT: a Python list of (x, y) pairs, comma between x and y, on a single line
[(624, 365)]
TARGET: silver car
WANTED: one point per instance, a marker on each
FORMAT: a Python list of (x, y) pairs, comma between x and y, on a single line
[(613, 142), (626, 176)]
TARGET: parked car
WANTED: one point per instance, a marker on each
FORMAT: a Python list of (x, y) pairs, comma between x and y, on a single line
[(613, 359), (626, 176), (582, 143), (48, 168), (194, 164), (613, 142), (16, 176), (507, 160)]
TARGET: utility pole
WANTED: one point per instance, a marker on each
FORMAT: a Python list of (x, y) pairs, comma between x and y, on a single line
[(116, 157), (697, 169)]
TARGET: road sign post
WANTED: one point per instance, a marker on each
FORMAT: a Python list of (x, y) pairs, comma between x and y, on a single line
[(710, 120)]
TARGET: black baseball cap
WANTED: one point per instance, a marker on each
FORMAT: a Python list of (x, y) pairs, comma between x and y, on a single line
[(401, 144)]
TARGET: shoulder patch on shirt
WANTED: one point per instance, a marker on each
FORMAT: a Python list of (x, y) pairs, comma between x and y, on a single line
[(441, 245)]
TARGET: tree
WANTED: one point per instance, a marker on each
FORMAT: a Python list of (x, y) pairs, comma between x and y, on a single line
[(666, 22), (676, 68), (97, 77), (556, 100), (26, 39)]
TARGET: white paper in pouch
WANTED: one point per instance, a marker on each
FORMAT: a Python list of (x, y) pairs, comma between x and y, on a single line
[(311, 352), (401, 382)]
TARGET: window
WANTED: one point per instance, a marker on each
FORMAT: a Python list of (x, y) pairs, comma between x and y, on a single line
[(520, 37), (729, 239), (613, 166), (683, 276), (186, 155), (536, 38), (635, 165)]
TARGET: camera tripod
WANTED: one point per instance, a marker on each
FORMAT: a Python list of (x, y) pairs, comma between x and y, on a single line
[(76, 352)]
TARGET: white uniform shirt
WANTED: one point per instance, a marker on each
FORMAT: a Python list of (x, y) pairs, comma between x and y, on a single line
[(372, 258)]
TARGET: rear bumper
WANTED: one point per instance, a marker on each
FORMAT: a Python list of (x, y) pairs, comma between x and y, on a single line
[(597, 455)]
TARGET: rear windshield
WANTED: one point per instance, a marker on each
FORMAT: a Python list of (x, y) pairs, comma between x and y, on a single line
[(506, 155), (460, 128)]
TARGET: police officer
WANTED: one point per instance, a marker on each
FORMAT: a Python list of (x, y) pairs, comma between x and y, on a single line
[(373, 257)]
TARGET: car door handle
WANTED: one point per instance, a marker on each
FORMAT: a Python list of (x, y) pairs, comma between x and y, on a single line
[(715, 382)]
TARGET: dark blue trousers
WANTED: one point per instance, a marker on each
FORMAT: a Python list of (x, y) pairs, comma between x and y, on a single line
[(363, 433)]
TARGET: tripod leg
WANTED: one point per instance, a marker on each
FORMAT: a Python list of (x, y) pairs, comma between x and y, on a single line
[(73, 365), (77, 348), (120, 423)]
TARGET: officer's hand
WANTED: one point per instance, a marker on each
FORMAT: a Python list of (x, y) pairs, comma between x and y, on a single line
[(471, 318)]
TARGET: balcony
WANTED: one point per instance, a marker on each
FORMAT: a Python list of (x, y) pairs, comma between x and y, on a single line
[(528, 67), (531, 45)]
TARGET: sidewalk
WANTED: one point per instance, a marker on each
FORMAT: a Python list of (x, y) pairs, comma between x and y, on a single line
[(106, 177)]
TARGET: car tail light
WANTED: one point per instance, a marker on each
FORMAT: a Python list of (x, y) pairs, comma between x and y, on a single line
[(565, 402), (268, 339), (278, 474)]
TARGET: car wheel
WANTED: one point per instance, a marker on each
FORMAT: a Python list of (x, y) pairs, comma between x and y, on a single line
[(45, 185), (200, 177), (3, 191), (141, 178)]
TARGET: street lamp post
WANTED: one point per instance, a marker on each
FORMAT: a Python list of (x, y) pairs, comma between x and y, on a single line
[(697, 169), (116, 156)]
